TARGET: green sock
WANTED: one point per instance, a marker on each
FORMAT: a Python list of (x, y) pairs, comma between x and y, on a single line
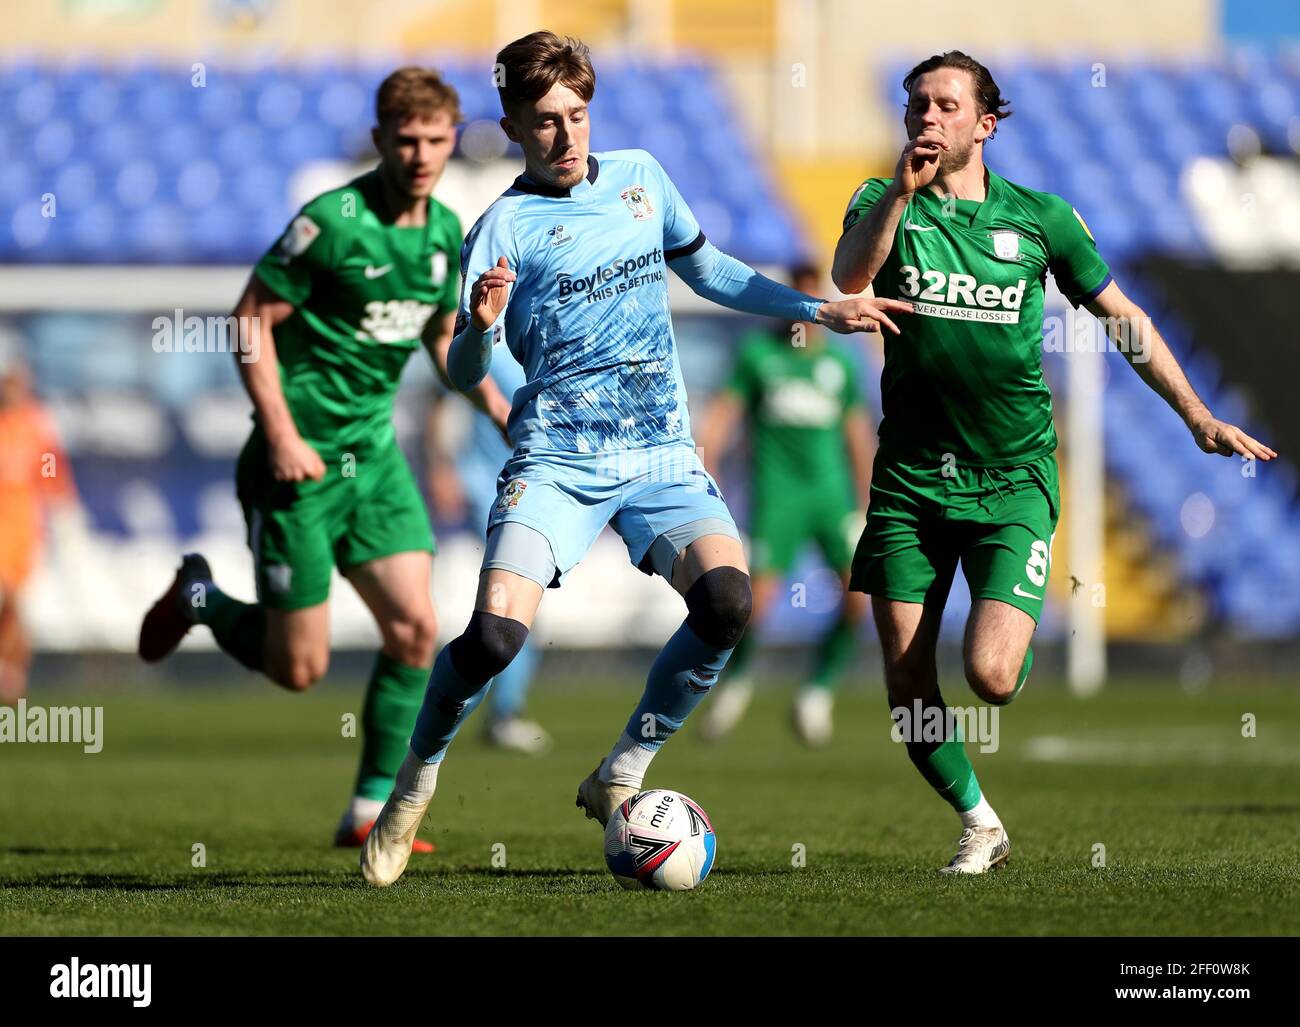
[(741, 655), (943, 764), (833, 653), (1020, 681), (393, 699), (239, 628)]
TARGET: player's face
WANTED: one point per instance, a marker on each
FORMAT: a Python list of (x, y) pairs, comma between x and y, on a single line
[(555, 135), (415, 152), (943, 104)]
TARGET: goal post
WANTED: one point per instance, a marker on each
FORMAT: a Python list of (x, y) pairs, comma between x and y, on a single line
[(1085, 410)]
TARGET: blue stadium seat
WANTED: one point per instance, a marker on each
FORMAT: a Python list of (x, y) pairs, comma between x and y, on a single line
[(96, 232), (76, 185)]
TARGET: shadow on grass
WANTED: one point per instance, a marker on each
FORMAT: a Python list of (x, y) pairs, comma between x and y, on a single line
[(196, 881), (201, 880)]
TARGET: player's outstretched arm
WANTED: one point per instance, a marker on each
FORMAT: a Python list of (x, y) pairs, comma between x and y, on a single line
[(485, 396), (863, 248), (732, 284), (257, 312), (470, 354), (1133, 334)]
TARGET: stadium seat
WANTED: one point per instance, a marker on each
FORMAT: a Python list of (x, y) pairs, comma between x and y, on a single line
[(153, 133)]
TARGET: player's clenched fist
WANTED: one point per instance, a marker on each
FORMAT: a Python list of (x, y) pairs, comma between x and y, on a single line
[(863, 314), (919, 162), (488, 297), (292, 459)]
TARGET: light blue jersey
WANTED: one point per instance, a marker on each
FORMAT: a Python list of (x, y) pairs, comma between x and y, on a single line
[(587, 316)]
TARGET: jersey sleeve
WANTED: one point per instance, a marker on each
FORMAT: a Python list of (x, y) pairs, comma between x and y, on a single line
[(1073, 259), (491, 238), (303, 251), (682, 232), (867, 196)]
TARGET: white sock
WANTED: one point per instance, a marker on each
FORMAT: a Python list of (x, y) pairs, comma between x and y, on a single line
[(416, 780), (363, 810), (980, 815), (626, 763), (818, 697)]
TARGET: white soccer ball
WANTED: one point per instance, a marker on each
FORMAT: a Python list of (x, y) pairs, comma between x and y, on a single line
[(661, 840)]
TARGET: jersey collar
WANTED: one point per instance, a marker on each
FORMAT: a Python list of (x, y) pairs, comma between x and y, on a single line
[(524, 184), (983, 213)]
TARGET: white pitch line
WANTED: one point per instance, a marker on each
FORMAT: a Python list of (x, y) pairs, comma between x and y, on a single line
[(1139, 752)]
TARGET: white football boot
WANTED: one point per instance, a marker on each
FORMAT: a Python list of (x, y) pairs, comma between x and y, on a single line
[(387, 847), (812, 715), (598, 799), (979, 850), (519, 735), (726, 707)]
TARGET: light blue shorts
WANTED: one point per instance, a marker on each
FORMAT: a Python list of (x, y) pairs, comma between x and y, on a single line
[(659, 500)]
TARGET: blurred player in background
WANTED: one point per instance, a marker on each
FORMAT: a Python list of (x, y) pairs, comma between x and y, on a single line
[(966, 468), (35, 481), (811, 444), (359, 280), (466, 483), (569, 268)]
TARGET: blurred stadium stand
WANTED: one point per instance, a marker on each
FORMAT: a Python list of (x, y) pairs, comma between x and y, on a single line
[(1158, 148), (147, 168)]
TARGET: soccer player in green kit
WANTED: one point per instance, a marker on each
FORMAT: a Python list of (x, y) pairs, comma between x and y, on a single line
[(965, 469), (360, 279), (797, 393)]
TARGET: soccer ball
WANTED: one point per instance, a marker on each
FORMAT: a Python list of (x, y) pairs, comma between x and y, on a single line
[(661, 840)]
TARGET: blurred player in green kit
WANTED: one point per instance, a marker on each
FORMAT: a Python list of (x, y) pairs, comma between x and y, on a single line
[(360, 279), (966, 470), (811, 447)]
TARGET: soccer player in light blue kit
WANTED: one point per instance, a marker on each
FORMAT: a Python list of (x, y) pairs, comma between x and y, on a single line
[(472, 477), (569, 269)]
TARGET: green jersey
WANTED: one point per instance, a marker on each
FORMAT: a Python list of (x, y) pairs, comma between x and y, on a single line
[(797, 398), (362, 290), (965, 377)]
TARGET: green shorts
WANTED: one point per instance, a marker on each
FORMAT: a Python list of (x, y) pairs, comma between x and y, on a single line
[(364, 508), (779, 531), (925, 517)]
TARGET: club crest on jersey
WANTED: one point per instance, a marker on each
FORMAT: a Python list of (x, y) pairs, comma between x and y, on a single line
[(1006, 245), (438, 268), (301, 233), (511, 494), (638, 202)]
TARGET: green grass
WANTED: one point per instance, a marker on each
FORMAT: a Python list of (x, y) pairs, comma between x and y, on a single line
[(1199, 825)]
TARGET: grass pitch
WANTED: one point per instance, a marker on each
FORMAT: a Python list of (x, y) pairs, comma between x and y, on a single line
[(1199, 824)]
